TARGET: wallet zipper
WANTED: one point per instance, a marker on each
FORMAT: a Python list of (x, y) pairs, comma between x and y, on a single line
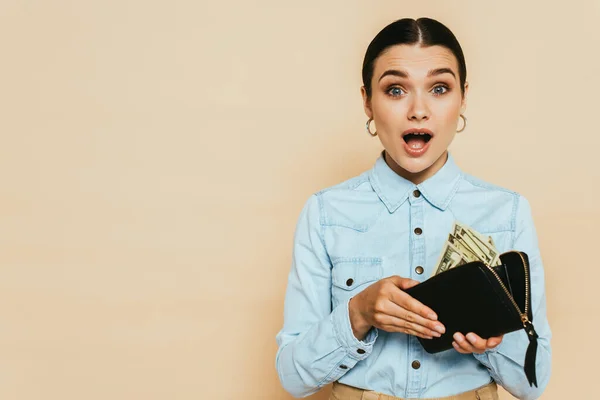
[(524, 318), (530, 355)]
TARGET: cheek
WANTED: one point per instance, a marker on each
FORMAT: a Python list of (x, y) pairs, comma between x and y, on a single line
[(449, 108), (448, 115), (387, 111)]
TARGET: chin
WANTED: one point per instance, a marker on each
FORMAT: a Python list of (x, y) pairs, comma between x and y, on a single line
[(414, 165)]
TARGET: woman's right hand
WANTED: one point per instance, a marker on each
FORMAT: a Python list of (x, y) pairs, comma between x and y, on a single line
[(386, 306)]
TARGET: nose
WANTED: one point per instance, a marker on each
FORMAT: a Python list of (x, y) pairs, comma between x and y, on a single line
[(418, 110)]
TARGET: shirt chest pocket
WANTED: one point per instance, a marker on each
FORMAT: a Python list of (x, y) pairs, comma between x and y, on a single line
[(351, 275)]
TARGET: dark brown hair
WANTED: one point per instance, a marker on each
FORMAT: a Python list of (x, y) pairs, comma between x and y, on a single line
[(424, 32)]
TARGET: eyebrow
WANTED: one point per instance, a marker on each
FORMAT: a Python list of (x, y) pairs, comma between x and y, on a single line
[(404, 74)]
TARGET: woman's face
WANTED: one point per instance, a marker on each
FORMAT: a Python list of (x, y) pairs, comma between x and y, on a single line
[(415, 88)]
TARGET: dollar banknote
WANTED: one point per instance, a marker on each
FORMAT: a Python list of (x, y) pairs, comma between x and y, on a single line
[(464, 244)]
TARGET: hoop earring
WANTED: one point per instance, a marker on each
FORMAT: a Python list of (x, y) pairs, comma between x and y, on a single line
[(368, 128), (465, 124)]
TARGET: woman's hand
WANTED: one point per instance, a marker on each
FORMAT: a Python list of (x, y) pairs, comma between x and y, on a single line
[(386, 306), (473, 343)]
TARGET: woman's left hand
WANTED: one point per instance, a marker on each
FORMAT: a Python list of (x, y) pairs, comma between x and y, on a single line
[(472, 343)]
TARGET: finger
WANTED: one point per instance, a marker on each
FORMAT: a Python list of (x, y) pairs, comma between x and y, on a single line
[(409, 303), (402, 325), (464, 344), (459, 349), (465, 347), (403, 283), (416, 333), (431, 327), (477, 342), (408, 283), (394, 328)]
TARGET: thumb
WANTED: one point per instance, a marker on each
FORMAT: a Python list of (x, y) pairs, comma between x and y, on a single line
[(494, 341)]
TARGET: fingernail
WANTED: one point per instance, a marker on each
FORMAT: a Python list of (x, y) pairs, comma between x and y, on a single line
[(457, 337), (471, 338), (432, 316), (436, 334), (440, 328)]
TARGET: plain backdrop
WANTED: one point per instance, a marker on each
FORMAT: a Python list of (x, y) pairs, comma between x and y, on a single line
[(155, 156)]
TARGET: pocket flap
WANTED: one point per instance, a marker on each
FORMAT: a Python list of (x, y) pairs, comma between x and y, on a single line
[(350, 273)]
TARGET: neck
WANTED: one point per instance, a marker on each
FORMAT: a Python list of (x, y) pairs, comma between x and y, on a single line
[(417, 177)]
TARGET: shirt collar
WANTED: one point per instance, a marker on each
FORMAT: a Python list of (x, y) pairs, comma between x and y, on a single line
[(393, 190)]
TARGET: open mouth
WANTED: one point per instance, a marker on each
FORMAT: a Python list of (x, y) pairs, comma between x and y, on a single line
[(417, 139)]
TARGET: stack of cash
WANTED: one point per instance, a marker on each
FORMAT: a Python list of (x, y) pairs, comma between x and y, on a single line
[(464, 245)]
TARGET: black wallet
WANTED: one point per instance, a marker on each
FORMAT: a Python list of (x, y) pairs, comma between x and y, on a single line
[(488, 301)]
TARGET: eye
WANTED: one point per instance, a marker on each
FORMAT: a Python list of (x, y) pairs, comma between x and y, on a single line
[(394, 91), (439, 93)]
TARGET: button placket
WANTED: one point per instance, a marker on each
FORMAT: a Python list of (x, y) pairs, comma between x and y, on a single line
[(417, 260), (416, 206)]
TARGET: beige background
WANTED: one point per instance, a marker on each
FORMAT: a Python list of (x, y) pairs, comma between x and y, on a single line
[(155, 157)]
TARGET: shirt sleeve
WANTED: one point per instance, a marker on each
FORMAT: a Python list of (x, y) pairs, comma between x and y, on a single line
[(316, 344), (506, 361)]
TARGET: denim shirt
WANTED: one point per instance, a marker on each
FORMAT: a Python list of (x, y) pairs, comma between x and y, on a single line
[(352, 234)]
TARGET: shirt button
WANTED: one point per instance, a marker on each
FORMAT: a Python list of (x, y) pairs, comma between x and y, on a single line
[(418, 231), (343, 366), (417, 193), (360, 351), (419, 270), (416, 365), (349, 282)]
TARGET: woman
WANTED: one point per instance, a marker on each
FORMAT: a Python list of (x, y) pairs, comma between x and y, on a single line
[(358, 244)]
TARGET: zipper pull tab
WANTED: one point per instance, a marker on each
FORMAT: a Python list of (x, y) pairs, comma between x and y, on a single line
[(531, 353), (530, 330)]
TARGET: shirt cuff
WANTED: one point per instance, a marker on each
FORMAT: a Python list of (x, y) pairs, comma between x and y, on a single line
[(484, 357), (356, 349)]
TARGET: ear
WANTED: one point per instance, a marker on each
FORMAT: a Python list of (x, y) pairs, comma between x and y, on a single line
[(463, 104), (366, 102)]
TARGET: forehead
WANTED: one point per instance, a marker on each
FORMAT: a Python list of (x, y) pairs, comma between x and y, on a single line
[(415, 60)]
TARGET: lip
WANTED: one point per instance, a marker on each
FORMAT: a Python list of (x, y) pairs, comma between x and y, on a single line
[(414, 152)]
